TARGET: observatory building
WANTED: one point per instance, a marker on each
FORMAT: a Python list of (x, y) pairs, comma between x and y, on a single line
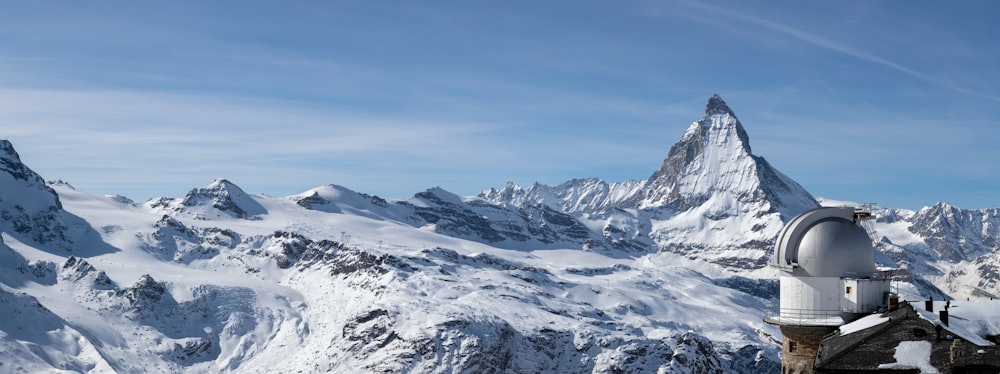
[(827, 278)]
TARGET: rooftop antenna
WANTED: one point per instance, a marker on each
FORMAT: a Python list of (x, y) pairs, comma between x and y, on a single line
[(863, 216)]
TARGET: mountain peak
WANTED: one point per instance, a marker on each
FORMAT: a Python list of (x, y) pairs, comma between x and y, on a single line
[(222, 184), (225, 196), (7, 149), (10, 162), (28, 206), (717, 106), (15, 176), (714, 157)]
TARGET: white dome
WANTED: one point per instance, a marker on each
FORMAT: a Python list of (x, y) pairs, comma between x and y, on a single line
[(825, 242)]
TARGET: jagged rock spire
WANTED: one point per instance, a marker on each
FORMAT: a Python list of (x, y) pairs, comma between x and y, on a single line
[(713, 157), (10, 162), (717, 106)]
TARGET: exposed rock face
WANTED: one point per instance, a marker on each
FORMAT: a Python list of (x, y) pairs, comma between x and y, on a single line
[(311, 201), (145, 294), (967, 240), (221, 197), (76, 270), (958, 234), (495, 223), (695, 354), (12, 168), (949, 251), (29, 208), (577, 196), (175, 241), (339, 199), (713, 159), (226, 197)]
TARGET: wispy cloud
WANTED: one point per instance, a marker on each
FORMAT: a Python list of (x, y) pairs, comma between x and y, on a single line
[(138, 142), (210, 136), (835, 46)]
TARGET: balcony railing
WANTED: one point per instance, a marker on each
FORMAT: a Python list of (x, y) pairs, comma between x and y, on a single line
[(806, 317)]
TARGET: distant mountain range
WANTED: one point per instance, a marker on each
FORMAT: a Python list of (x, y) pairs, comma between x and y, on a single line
[(666, 274)]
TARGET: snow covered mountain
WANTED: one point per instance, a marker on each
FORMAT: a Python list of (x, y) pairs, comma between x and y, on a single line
[(709, 182), (713, 162), (953, 251), (30, 209), (304, 290), (659, 275), (222, 197)]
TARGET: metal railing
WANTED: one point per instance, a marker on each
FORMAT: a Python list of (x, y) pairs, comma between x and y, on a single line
[(806, 317)]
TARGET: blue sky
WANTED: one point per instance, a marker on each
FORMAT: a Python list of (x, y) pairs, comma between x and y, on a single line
[(873, 101)]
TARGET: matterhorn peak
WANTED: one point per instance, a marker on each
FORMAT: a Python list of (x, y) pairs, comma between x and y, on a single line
[(720, 121), (714, 159), (717, 106)]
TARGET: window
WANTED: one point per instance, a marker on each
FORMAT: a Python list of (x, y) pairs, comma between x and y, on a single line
[(848, 292), (791, 346)]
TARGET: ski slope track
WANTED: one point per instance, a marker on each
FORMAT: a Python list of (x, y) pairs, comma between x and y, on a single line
[(665, 275)]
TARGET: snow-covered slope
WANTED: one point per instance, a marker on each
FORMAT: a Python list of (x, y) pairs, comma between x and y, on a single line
[(393, 298), (223, 281), (501, 225), (576, 196), (957, 250)]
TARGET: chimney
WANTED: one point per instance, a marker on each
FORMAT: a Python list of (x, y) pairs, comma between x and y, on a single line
[(943, 316), (893, 301), (929, 305)]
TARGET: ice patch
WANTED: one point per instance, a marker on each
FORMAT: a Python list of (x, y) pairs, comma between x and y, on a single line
[(912, 355), (863, 323)]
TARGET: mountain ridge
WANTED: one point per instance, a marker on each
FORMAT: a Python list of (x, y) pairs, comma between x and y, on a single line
[(709, 180)]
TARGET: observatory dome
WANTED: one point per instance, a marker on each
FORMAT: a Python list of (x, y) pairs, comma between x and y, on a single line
[(825, 242), (827, 278)]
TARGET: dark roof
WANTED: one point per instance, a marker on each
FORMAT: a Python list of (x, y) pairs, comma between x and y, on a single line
[(866, 349)]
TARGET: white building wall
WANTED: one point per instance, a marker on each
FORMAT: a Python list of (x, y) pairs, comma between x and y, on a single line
[(863, 295), (809, 298), (850, 295), (825, 300), (876, 291)]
